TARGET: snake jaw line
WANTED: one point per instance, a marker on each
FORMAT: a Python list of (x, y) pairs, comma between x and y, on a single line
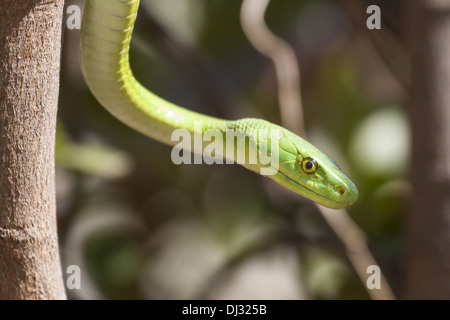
[(314, 196)]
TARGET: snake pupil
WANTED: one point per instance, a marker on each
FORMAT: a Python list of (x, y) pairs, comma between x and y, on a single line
[(309, 165)]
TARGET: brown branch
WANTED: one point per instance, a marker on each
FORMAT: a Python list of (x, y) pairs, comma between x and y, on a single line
[(428, 223), (30, 38)]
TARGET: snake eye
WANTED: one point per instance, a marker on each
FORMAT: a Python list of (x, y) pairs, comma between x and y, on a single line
[(309, 165)]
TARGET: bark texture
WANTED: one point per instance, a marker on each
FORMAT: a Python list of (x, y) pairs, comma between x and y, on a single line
[(30, 44), (428, 230)]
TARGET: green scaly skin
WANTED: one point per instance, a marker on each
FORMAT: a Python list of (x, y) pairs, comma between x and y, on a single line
[(105, 39)]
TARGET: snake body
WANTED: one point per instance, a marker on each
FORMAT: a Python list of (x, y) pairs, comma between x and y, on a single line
[(104, 53)]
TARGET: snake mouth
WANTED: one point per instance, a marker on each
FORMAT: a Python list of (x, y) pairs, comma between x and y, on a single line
[(311, 194)]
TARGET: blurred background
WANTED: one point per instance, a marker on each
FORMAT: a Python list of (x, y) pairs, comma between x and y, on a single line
[(140, 227)]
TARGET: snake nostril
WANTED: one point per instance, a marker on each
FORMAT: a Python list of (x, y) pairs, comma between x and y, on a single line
[(341, 190)]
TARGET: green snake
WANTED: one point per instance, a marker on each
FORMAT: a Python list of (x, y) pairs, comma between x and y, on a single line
[(105, 38)]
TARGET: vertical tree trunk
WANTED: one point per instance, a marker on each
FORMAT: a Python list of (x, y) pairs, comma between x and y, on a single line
[(30, 42), (428, 232)]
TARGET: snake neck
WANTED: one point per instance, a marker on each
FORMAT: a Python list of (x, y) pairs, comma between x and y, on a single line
[(104, 53)]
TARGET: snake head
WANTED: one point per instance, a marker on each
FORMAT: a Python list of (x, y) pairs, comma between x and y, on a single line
[(306, 170)]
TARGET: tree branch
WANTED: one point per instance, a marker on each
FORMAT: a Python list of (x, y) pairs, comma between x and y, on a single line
[(428, 223), (30, 37)]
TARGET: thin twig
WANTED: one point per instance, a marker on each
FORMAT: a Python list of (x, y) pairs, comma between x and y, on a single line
[(288, 73), (284, 59), (354, 241)]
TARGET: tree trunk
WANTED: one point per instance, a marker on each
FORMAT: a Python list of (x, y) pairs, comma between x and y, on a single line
[(428, 230), (30, 42)]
